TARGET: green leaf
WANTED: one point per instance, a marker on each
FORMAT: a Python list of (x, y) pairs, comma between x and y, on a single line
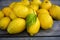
[(31, 19)]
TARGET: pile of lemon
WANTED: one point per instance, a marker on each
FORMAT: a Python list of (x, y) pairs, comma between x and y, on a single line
[(31, 15)]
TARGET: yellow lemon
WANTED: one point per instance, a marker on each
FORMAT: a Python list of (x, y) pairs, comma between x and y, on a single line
[(42, 11), (21, 11), (36, 2), (46, 4), (46, 21), (6, 11), (34, 7), (55, 12), (4, 22), (12, 4), (16, 26), (9, 12), (33, 24), (1, 14)]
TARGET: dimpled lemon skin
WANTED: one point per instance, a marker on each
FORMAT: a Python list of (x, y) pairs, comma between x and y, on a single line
[(1, 14), (21, 11), (33, 29), (16, 26), (46, 21), (4, 22)]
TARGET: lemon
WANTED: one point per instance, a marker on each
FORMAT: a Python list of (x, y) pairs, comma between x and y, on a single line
[(30, 10), (54, 12), (34, 7), (25, 2), (42, 11), (33, 24), (34, 29), (4, 22), (6, 11), (36, 2), (16, 26), (20, 11), (12, 16), (12, 4), (1, 14), (46, 21), (46, 4), (9, 12), (22, 2)]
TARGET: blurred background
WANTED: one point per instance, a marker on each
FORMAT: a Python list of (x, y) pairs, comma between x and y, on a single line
[(7, 2)]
